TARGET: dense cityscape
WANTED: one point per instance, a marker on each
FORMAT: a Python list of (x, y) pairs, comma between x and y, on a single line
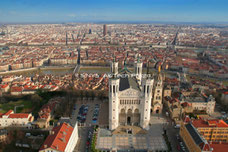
[(112, 86)]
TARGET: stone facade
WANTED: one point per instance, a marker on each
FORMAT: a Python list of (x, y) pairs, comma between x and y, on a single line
[(131, 97), (157, 100)]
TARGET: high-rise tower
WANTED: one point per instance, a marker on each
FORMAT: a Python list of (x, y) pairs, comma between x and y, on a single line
[(104, 29)]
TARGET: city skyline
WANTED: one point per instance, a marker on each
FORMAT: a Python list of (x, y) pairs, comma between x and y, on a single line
[(144, 11)]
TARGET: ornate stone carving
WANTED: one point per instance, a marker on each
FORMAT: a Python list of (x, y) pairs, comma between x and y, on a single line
[(130, 93)]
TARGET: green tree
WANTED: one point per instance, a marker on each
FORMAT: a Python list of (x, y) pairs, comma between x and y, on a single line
[(92, 94), (81, 93), (101, 95), (36, 99)]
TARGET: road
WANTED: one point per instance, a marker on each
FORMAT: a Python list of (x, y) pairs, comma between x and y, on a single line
[(172, 135), (76, 69), (83, 135)]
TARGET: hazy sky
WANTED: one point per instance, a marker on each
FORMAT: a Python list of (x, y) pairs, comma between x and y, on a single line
[(113, 10)]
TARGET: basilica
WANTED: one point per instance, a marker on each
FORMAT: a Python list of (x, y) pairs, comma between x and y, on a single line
[(133, 97)]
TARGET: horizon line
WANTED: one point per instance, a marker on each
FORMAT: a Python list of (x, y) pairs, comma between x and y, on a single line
[(117, 22)]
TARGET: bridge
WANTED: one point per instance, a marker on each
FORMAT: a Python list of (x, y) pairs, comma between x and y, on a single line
[(77, 67)]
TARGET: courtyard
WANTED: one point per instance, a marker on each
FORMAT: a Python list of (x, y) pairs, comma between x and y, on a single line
[(137, 140)]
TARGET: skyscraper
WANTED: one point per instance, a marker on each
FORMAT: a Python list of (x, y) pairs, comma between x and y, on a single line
[(104, 29)]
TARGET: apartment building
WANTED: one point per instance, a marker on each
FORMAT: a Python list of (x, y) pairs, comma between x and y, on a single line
[(15, 119), (62, 138), (213, 130)]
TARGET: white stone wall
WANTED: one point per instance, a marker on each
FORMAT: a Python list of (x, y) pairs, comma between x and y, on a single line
[(208, 106), (73, 140), (114, 68), (138, 71), (113, 103), (146, 102), (129, 99)]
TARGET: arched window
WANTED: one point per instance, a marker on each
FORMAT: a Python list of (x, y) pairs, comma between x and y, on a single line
[(114, 89), (136, 111), (122, 111)]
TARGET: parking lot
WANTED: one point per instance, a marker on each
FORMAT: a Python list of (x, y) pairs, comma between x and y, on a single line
[(88, 113)]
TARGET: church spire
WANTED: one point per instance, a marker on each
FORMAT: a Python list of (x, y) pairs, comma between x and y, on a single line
[(138, 59), (147, 67), (114, 58), (125, 64)]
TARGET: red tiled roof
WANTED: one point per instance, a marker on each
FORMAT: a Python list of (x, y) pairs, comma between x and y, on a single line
[(4, 86), (16, 89), (44, 115), (59, 139), (204, 146), (9, 112), (185, 104), (209, 123), (19, 115), (219, 147), (187, 119)]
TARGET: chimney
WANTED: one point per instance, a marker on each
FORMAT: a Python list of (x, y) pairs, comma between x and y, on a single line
[(45, 146)]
